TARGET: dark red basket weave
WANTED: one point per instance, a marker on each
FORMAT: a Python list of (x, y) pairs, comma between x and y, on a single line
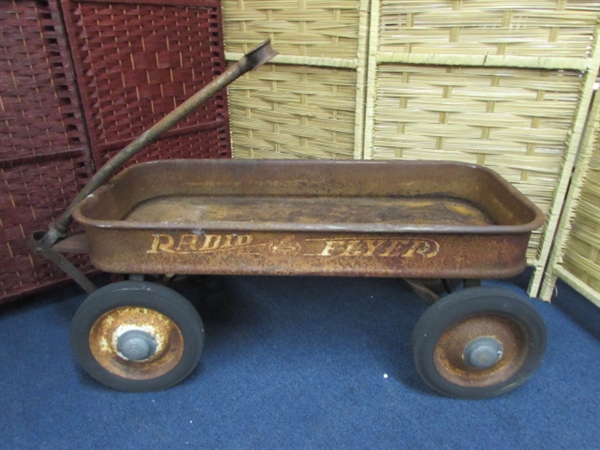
[(43, 147), (136, 61)]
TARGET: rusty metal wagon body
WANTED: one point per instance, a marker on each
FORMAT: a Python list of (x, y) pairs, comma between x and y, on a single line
[(413, 220), (349, 218)]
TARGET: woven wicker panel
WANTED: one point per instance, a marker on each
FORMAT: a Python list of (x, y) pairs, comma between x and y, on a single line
[(531, 28), (203, 142), (296, 27), (582, 255), (137, 60), (516, 121), (576, 255), (283, 111), (44, 158), (31, 196), (39, 111)]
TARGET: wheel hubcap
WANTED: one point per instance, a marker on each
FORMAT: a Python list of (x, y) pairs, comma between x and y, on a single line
[(482, 353), (136, 345)]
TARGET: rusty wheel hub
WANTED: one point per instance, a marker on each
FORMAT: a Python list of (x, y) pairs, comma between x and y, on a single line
[(136, 343), (480, 351)]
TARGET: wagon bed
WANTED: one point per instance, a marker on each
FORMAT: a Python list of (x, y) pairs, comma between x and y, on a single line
[(365, 218)]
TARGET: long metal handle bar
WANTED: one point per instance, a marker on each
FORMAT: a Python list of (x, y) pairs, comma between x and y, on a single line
[(248, 62)]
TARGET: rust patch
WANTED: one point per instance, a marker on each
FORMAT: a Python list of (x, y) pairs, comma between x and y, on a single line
[(106, 331), (448, 353)]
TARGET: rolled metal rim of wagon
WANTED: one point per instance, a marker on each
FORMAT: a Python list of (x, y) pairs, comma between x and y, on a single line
[(531, 217), (297, 217)]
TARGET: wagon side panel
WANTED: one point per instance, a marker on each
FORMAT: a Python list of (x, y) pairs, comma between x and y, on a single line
[(330, 254)]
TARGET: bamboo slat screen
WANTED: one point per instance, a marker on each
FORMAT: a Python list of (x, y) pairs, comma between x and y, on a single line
[(503, 84), (308, 28), (309, 102), (305, 112), (576, 255), (515, 121), (528, 28)]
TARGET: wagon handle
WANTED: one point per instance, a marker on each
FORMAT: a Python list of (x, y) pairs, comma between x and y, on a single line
[(252, 60)]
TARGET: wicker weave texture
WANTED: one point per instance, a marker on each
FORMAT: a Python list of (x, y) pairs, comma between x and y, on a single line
[(582, 254), (198, 142), (43, 149), (516, 121), (31, 196), (312, 28), (39, 111), (136, 61), (576, 257), (530, 28), (309, 102), (502, 84), (294, 111)]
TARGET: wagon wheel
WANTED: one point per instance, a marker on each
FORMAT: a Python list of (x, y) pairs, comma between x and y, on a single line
[(478, 343), (137, 336)]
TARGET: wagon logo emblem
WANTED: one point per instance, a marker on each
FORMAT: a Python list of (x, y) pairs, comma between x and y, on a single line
[(198, 243), (286, 247), (192, 243), (383, 248)]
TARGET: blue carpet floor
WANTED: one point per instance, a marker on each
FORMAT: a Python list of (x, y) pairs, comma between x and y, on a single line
[(295, 363)]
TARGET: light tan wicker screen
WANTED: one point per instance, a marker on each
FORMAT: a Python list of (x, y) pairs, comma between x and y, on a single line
[(576, 255), (310, 102), (503, 84)]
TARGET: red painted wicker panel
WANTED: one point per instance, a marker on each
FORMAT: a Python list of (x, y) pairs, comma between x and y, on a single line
[(44, 157), (40, 114), (31, 196), (136, 61), (204, 142)]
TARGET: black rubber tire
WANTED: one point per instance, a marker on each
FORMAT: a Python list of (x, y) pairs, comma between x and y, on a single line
[(143, 295), (471, 304)]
